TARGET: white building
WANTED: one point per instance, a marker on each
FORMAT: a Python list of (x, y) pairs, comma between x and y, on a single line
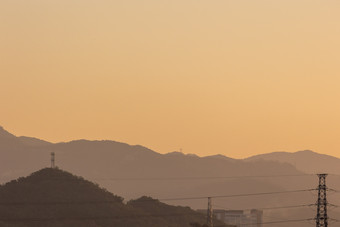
[(239, 218)]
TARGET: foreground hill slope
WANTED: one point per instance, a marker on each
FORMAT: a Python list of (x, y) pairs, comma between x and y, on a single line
[(52, 197)]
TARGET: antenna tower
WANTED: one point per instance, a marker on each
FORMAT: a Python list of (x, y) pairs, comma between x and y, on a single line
[(321, 216), (210, 213), (52, 160)]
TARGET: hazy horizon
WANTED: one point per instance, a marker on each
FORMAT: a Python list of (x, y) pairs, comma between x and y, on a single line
[(238, 78), (180, 151)]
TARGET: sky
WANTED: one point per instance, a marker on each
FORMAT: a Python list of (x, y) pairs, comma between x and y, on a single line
[(234, 77)]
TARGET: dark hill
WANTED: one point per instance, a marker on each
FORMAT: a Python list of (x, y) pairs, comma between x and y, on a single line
[(155, 207), (55, 198)]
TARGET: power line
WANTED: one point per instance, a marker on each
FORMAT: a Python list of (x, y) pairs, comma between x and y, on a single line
[(273, 208), (188, 177), (335, 220), (42, 219), (151, 199), (333, 190), (199, 178), (274, 222), (179, 178), (238, 195)]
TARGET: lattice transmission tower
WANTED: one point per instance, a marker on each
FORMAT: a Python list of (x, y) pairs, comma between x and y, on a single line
[(321, 216)]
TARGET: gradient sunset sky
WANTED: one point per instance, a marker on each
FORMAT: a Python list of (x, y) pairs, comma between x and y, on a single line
[(236, 77)]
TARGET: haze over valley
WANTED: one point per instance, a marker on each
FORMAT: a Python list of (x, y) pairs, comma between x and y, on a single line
[(169, 113), (133, 171)]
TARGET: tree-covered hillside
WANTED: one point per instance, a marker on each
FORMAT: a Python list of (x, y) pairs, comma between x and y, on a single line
[(55, 198)]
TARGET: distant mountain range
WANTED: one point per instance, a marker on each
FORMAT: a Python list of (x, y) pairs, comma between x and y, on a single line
[(135, 171), (306, 161)]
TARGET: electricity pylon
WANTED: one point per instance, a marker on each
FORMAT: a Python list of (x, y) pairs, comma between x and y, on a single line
[(321, 216)]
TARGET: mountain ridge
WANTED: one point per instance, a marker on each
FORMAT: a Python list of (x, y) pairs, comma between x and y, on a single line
[(306, 160), (135, 171), (33, 141), (114, 160)]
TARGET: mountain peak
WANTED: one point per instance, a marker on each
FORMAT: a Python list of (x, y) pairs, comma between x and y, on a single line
[(220, 156), (54, 184), (306, 152), (175, 153), (180, 154), (5, 134)]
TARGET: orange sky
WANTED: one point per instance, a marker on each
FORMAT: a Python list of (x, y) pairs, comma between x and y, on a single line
[(236, 77)]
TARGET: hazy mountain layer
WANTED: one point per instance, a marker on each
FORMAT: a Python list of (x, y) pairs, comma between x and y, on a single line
[(135, 171), (306, 161)]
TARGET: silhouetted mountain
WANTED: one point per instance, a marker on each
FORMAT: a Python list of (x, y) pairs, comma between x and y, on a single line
[(20, 155), (52, 197), (4, 135), (34, 142), (135, 171), (306, 161), (106, 160), (8, 141), (219, 156)]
